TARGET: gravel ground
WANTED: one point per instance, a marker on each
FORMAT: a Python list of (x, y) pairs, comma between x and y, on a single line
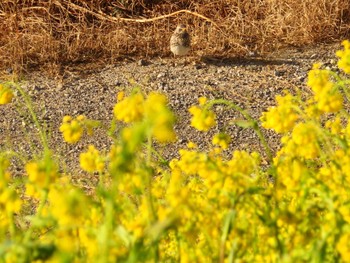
[(251, 83)]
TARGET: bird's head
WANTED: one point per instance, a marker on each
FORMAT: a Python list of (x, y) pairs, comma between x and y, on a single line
[(181, 28)]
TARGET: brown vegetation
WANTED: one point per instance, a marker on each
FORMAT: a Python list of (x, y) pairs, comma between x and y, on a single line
[(53, 32)]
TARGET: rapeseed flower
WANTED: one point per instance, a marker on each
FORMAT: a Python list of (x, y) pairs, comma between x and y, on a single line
[(4, 174), (70, 208), (335, 125), (290, 172), (306, 138), (221, 139), (319, 79), (10, 201), (243, 163), (202, 119), (42, 173), (91, 161), (129, 109), (347, 130), (72, 129), (304, 141), (331, 101), (344, 55), (120, 95), (6, 94), (88, 240), (202, 101), (343, 247), (326, 94), (282, 117), (203, 207), (161, 119)]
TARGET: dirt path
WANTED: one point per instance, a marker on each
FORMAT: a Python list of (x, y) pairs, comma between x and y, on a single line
[(251, 83)]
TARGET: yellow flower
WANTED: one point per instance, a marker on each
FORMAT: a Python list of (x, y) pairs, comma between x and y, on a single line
[(129, 109), (120, 95), (70, 208), (304, 141), (344, 55), (290, 171), (41, 173), (319, 79), (283, 117), (243, 163), (72, 129), (202, 119), (192, 145), (4, 175), (330, 101), (6, 94), (347, 129), (91, 161), (221, 139), (327, 96), (10, 201), (343, 247), (89, 241), (335, 125), (159, 117), (202, 100), (311, 109)]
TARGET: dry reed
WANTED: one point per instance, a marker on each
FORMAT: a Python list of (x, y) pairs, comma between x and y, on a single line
[(43, 33)]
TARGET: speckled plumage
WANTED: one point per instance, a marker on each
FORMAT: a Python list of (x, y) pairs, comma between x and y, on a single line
[(180, 41)]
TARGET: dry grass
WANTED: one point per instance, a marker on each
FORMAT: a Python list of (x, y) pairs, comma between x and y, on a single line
[(49, 34)]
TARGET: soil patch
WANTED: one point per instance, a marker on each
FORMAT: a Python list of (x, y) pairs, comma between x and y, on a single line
[(251, 83)]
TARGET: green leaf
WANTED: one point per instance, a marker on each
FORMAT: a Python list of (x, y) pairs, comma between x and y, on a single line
[(244, 123)]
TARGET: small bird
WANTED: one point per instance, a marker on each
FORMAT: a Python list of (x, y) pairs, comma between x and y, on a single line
[(180, 41)]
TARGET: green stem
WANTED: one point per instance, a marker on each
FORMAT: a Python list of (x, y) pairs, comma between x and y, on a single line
[(11, 153), (29, 105), (149, 182), (107, 228), (342, 83), (12, 227), (254, 123), (226, 229), (149, 192), (149, 150), (42, 203), (162, 160)]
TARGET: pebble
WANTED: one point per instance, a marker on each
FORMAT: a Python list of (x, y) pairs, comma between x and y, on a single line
[(161, 75), (253, 87)]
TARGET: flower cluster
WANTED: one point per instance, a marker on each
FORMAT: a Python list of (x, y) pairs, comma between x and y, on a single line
[(326, 93), (91, 161), (203, 119), (72, 129), (41, 174), (282, 117), (9, 200), (6, 94), (152, 113), (205, 205), (129, 109), (344, 55), (222, 139)]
